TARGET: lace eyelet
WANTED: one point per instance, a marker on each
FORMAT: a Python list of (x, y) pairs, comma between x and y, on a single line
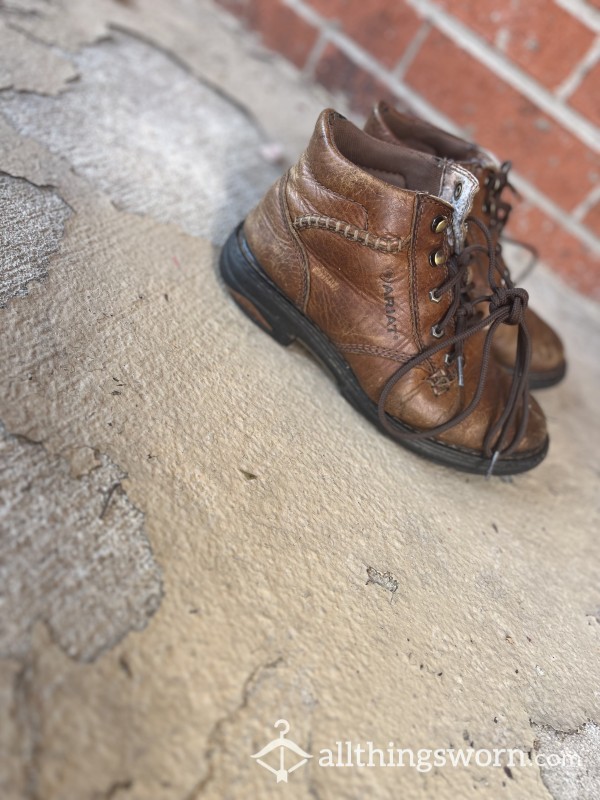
[(439, 224), (437, 332), (458, 190), (434, 296), (436, 258)]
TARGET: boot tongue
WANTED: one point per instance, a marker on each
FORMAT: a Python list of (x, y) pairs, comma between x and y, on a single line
[(458, 186), (481, 159), (460, 157), (449, 180)]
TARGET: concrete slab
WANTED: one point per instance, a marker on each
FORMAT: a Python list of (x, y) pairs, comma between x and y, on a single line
[(312, 570)]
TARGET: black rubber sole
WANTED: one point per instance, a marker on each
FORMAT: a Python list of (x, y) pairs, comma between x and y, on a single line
[(544, 380), (261, 300)]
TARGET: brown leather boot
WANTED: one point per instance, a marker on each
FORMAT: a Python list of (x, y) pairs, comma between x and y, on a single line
[(548, 364), (357, 252)]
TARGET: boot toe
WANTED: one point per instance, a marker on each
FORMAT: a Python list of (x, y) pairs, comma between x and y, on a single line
[(535, 438)]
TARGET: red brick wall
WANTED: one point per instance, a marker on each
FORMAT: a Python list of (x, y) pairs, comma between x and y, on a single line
[(522, 77)]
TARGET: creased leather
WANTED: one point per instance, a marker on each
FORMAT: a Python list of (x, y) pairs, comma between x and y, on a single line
[(376, 306), (271, 238), (387, 124)]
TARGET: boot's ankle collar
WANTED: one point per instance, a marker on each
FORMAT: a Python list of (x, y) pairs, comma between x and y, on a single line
[(385, 178)]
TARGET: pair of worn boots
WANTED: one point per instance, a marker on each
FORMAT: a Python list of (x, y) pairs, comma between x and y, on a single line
[(379, 251)]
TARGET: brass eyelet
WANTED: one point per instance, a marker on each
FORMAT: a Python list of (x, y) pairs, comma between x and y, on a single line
[(439, 224), (437, 332), (437, 258), (434, 296)]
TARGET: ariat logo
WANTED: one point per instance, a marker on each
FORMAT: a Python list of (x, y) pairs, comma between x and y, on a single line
[(390, 303)]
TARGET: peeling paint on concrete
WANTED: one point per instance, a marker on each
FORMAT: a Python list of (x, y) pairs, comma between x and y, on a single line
[(250, 724), (73, 553), (28, 66), (571, 769), (131, 348), (153, 137), (44, 21), (32, 222)]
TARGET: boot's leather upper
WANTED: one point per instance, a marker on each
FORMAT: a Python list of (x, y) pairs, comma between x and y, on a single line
[(389, 125), (358, 235)]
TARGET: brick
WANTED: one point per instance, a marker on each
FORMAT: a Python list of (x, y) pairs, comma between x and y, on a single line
[(587, 96), (280, 28), (383, 28), (592, 218), (338, 73), (330, 9), (538, 35), (503, 120), (237, 7), (564, 253)]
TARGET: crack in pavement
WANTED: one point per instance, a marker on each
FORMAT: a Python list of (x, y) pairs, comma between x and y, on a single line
[(69, 557), (215, 736)]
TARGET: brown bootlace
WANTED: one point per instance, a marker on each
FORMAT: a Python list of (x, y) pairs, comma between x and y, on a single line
[(500, 210), (507, 305)]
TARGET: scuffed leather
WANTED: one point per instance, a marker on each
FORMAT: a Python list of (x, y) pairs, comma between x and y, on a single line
[(275, 245), (547, 351), (346, 294), (387, 124)]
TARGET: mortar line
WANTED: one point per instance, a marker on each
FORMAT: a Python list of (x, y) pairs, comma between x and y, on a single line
[(586, 204), (422, 107), (559, 215), (506, 71), (412, 50), (315, 54), (572, 81), (583, 12), (363, 59)]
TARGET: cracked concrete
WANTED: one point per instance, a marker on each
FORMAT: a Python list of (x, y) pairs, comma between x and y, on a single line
[(145, 132), (30, 67), (167, 439), (32, 222), (111, 585), (579, 750)]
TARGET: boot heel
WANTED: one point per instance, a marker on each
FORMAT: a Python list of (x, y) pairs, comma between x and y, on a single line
[(253, 293)]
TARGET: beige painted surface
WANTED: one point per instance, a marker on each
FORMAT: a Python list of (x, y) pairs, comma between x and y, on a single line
[(189, 511)]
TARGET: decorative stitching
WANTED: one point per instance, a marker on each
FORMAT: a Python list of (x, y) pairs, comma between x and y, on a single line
[(373, 350), (383, 244), (440, 380)]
